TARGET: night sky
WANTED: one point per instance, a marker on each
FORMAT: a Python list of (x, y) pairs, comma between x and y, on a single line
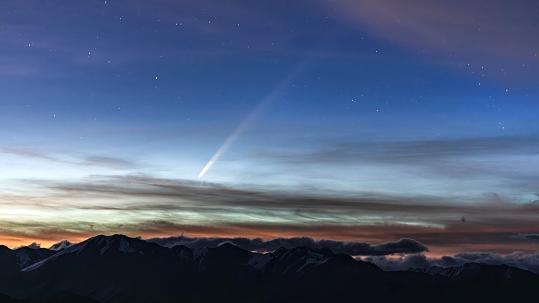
[(366, 120)]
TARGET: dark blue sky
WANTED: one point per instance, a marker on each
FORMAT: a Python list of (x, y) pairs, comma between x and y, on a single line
[(420, 99)]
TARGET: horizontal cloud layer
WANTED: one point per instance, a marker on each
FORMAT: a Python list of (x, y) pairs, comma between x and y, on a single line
[(141, 205), (402, 246)]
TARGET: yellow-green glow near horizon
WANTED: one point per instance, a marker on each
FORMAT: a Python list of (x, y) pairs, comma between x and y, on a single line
[(332, 119)]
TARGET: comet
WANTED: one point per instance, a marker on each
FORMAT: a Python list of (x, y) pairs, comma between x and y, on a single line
[(276, 93)]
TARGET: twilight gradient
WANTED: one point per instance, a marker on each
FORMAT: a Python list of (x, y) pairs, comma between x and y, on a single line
[(351, 120)]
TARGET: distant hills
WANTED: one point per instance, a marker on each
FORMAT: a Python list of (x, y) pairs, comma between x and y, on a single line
[(123, 269)]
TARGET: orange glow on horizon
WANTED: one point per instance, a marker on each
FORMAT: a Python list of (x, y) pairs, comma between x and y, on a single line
[(368, 235)]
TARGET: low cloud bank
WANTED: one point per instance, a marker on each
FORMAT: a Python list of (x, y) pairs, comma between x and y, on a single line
[(402, 246), (527, 261)]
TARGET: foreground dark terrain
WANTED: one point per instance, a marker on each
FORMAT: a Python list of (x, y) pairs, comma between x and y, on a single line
[(123, 269)]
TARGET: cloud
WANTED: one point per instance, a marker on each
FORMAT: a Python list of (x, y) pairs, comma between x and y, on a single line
[(29, 153), (157, 207), (445, 155), (402, 246), (527, 261), (83, 160), (404, 254), (107, 161), (34, 245), (461, 168)]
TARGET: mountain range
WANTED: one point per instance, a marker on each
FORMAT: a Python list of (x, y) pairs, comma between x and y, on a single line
[(118, 268)]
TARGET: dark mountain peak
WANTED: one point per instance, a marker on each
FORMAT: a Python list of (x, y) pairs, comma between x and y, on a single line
[(289, 261), (34, 245), (225, 258), (228, 248), (119, 268), (303, 252), (60, 245), (22, 256), (8, 260), (113, 244), (27, 255), (344, 262), (102, 245), (29, 249), (279, 251), (115, 237), (225, 251), (479, 271), (341, 259)]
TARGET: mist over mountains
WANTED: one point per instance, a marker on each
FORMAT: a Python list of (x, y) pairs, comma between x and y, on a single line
[(123, 269)]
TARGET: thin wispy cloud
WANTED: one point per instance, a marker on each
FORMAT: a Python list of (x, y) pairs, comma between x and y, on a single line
[(75, 159), (412, 152), (501, 162)]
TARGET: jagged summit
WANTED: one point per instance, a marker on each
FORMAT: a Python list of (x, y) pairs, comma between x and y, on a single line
[(60, 245), (119, 268), (101, 245)]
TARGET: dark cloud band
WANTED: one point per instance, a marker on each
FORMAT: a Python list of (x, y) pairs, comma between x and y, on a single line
[(403, 246)]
